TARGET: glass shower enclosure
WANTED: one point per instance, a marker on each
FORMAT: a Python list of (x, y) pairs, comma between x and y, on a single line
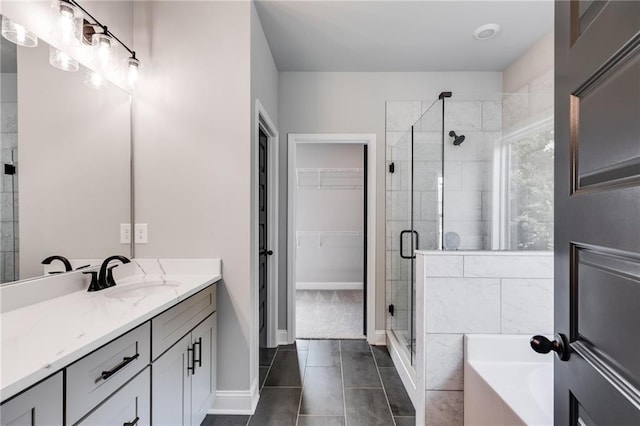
[(467, 175), (414, 215)]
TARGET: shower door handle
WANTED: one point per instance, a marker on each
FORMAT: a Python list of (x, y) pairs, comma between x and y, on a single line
[(417, 247)]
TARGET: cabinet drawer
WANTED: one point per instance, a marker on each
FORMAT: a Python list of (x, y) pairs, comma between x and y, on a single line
[(131, 402), (96, 376), (169, 327)]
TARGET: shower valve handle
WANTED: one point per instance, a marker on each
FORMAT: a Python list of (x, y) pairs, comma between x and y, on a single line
[(560, 346)]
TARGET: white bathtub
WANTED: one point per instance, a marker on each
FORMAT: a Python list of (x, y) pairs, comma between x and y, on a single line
[(506, 382)]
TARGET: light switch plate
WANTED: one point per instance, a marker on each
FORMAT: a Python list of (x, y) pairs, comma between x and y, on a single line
[(141, 233), (125, 233)]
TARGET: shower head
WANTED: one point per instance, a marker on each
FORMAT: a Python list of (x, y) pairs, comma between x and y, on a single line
[(457, 139)]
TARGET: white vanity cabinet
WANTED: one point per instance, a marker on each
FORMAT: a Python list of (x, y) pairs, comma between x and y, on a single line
[(129, 406), (41, 405), (184, 378), (160, 370), (93, 378)]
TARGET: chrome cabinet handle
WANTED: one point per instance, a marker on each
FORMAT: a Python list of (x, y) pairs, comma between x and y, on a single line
[(126, 360)]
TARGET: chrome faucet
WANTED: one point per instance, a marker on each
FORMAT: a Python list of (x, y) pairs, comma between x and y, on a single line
[(104, 278)]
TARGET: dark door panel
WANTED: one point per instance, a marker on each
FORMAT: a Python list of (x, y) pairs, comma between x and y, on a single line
[(597, 212), (263, 231)]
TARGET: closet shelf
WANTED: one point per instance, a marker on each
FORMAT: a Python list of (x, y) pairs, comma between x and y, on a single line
[(326, 178), (331, 239)]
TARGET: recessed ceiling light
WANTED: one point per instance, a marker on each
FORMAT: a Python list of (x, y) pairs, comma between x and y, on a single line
[(485, 32)]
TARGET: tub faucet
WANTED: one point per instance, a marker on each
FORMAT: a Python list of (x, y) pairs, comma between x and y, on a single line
[(64, 260), (104, 278)]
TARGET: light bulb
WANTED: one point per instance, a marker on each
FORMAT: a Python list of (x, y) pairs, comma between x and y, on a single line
[(62, 61), (18, 34), (133, 66), (68, 27), (101, 48), (94, 80)]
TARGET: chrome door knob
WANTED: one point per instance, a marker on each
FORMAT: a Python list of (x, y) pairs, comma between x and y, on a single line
[(560, 346)]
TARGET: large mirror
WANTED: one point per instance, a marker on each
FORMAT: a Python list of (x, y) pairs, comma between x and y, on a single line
[(66, 164)]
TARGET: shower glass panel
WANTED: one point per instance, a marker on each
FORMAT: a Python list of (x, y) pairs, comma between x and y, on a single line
[(498, 169), (472, 173), (399, 231)]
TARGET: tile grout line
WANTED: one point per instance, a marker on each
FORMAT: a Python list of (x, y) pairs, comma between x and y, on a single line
[(384, 390), (301, 382), (344, 392), (260, 387)]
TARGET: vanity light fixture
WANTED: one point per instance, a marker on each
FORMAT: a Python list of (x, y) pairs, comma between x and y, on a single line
[(18, 34), (62, 61), (102, 43), (68, 27), (94, 80), (101, 47), (133, 65)]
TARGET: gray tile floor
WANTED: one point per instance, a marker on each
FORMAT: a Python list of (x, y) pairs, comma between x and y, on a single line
[(326, 383)]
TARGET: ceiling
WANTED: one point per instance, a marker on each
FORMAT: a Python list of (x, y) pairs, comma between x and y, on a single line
[(317, 35)]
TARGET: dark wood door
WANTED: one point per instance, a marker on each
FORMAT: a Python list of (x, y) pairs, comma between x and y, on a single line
[(263, 249), (597, 205)]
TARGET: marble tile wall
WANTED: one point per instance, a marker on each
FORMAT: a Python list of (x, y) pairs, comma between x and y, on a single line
[(477, 292), (8, 183), (467, 180)]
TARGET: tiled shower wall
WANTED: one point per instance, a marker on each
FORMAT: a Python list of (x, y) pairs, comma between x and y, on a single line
[(467, 182), (470, 293), (9, 197)]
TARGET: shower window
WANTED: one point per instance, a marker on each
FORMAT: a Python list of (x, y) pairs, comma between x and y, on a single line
[(529, 188)]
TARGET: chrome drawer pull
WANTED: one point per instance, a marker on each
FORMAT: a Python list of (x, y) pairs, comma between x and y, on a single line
[(126, 360), (131, 423)]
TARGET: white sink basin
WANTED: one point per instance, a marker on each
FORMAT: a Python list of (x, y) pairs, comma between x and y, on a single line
[(140, 289)]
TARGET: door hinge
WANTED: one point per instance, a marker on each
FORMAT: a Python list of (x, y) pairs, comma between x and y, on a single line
[(392, 167), (9, 169), (391, 309)]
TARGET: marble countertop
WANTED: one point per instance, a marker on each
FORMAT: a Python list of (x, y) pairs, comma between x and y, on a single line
[(39, 339)]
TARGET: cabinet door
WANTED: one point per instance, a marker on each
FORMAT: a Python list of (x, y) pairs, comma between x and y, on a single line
[(171, 386), (130, 405), (41, 405), (203, 381)]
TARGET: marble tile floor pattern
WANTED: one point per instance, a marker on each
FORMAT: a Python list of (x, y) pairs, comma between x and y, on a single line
[(327, 383), (329, 314)]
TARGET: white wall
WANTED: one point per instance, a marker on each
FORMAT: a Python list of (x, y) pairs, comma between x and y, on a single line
[(345, 102), (334, 258), (535, 62), (192, 136)]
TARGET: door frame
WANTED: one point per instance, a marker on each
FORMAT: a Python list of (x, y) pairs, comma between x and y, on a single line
[(332, 138), (264, 122)]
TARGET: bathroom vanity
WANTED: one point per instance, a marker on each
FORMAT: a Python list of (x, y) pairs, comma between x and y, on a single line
[(140, 353)]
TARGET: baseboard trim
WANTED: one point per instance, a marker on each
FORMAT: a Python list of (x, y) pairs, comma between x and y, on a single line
[(282, 337), (333, 285), (236, 402), (379, 338)]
